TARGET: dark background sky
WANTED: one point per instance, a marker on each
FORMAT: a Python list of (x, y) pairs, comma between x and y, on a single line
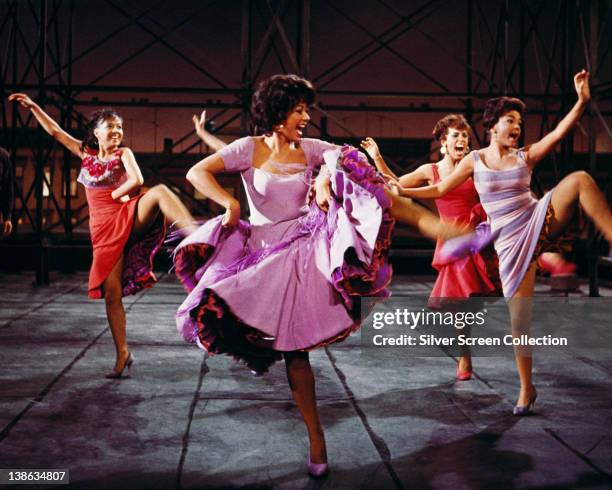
[(208, 34)]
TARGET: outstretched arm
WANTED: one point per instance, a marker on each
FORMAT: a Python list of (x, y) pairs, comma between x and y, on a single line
[(537, 151), (421, 176), (202, 177), (371, 148), (212, 141), (48, 124), (464, 171)]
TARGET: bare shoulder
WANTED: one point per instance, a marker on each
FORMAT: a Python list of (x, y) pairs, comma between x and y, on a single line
[(426, 170), (125, 151), (126, 154)]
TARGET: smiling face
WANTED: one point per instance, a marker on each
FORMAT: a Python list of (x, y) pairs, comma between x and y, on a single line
[(294, 125), (456, 142), (109, 132), (507, 129)]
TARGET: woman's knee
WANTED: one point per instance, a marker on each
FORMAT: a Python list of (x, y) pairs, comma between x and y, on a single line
[(112, 295), (161, 190), (580, 178)]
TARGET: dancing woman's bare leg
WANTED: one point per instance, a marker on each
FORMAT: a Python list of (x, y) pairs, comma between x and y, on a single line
[(580, 188), (302, 384), (521, 312), (115, 313), (161, 199), (427, 223)]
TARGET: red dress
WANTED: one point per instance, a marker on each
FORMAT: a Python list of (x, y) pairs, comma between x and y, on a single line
[(476, 274), (110, 226)]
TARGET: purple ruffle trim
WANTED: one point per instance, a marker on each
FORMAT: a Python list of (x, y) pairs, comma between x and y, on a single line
[(356, 278), (138, 259)]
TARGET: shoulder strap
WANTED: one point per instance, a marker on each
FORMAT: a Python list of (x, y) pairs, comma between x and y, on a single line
[(436, 174)]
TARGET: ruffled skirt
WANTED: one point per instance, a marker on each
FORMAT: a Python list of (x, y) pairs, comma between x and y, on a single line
[(110, 225), (298, 292)]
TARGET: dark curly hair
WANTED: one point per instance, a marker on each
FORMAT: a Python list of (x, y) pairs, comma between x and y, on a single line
[(455, 121), (498, 106), (275, 97), (90, 141)]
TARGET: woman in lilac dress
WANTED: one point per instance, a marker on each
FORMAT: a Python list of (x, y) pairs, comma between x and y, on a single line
[(521, 224), (286, 281)]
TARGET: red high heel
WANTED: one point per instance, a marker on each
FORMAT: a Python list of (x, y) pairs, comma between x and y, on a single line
[(463, 375), (560, 267)]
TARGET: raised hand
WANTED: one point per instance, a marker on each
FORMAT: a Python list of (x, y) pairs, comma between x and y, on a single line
[(199, 124), (370, 146), (22, 99), (581, 83)]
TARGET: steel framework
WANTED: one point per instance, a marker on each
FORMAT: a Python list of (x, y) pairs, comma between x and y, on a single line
[(496, 48)]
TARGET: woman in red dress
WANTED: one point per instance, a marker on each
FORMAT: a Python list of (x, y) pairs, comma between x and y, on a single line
[(470, 276), (126, 230)]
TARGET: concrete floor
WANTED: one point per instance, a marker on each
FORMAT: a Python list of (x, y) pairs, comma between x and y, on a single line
[(181, 421)]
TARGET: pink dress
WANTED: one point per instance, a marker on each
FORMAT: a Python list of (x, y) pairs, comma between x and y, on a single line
[(287, 279), (110, 226), (473, 275)]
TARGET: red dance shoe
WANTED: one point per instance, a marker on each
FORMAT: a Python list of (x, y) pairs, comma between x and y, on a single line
[(559, 267)]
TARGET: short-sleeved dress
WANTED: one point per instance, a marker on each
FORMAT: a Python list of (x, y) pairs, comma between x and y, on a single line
[(475, 274), (286, 279), (517, 218), (110, 226)]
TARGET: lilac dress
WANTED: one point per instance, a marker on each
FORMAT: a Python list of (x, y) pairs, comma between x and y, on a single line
[(286, 280), (515, 215)]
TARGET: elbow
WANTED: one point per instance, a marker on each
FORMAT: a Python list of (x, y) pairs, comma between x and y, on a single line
[(195, 174), (139, 181), (55, 132), (191, 176)]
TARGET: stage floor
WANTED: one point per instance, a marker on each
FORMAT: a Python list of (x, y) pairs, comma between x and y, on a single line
[(183, 421)]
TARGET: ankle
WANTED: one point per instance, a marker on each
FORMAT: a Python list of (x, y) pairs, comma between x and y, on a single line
[(465, 362)]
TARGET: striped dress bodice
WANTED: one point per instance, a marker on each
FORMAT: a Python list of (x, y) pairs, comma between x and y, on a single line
[(515, 215)]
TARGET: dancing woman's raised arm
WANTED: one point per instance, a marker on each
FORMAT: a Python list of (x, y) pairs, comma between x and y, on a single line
[(48, 124), (421, 176), (464, 171), (371, 148), (537, 151), (211, 140)]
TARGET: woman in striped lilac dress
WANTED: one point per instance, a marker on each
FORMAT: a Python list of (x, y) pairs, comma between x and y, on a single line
[(520, 223)]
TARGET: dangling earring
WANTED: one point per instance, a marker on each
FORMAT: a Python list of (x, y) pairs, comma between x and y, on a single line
[(443, 150), (467, 149)]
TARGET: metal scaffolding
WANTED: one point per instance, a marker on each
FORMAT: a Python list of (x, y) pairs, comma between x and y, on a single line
[(486, 56)]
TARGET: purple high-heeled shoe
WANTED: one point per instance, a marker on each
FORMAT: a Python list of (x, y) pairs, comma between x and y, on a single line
[(128, 364), (521, 411), (464, 245), (317, 470)]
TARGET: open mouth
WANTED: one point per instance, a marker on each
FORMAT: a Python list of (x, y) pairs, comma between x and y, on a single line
[(300, 129), (460, 148)]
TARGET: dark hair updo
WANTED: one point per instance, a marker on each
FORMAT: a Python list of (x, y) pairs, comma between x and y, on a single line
[(498, 106), (90, 141), (275, 97), (455, 121)]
